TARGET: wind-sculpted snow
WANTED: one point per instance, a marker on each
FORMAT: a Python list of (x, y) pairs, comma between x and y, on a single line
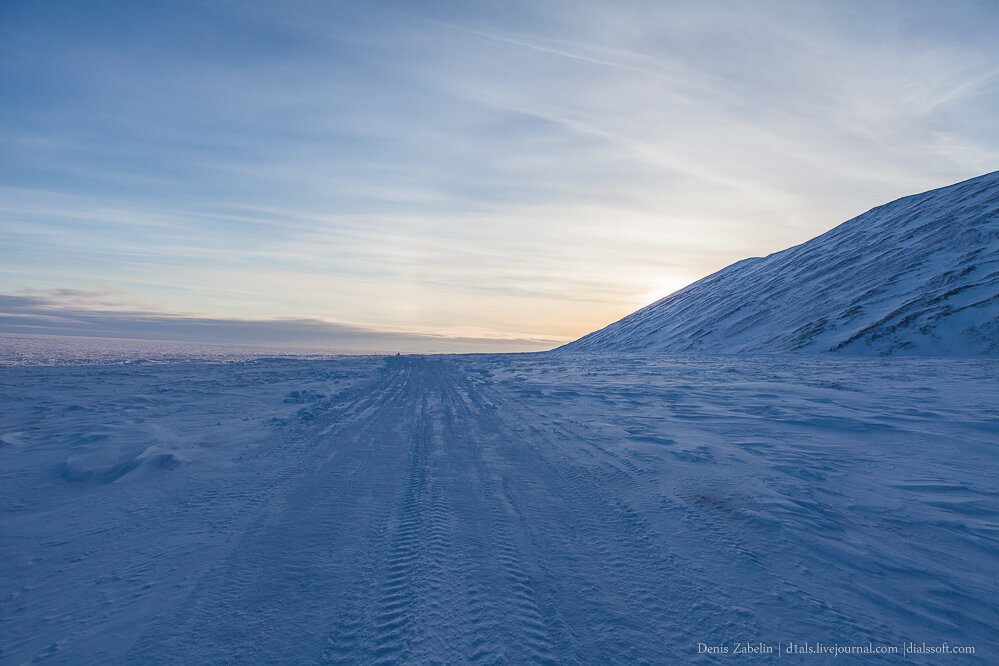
[(505, 509), (918, 276)]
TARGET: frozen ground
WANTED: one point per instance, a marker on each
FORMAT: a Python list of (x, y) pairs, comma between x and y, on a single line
[(496, 509)]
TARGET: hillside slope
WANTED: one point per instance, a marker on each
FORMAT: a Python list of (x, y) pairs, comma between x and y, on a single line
[(918, 276)]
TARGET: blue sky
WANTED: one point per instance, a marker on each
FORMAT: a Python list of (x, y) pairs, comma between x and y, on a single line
[(453, 175)]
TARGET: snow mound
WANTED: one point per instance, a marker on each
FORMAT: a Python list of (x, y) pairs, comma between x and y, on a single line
[(918, 276), (109, 465)]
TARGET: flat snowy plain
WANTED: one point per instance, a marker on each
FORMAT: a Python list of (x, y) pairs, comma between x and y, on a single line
[(530, 508)]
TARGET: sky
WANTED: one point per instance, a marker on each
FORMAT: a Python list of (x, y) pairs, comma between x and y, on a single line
[(453, 176)]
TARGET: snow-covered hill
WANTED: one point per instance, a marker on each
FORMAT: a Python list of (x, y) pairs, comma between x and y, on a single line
[(918, 276)]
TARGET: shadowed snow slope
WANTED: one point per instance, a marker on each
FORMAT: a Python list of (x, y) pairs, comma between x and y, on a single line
[(918, 276)]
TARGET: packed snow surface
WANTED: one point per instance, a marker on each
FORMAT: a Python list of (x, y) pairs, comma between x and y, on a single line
[(496, 509), (918, 276)]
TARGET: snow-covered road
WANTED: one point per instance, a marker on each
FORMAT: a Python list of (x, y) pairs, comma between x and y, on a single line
[(506, 509), (436, 527)]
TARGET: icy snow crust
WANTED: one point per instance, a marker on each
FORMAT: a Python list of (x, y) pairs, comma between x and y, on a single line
[(500, 509), (918, 276)]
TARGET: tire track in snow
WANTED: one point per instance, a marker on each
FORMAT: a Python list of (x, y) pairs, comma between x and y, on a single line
[(239, 610), (448, 588), (518, 622), (392, 629), (624, 595)]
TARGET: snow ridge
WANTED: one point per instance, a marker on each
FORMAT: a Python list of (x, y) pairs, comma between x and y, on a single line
[(918, 277)]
